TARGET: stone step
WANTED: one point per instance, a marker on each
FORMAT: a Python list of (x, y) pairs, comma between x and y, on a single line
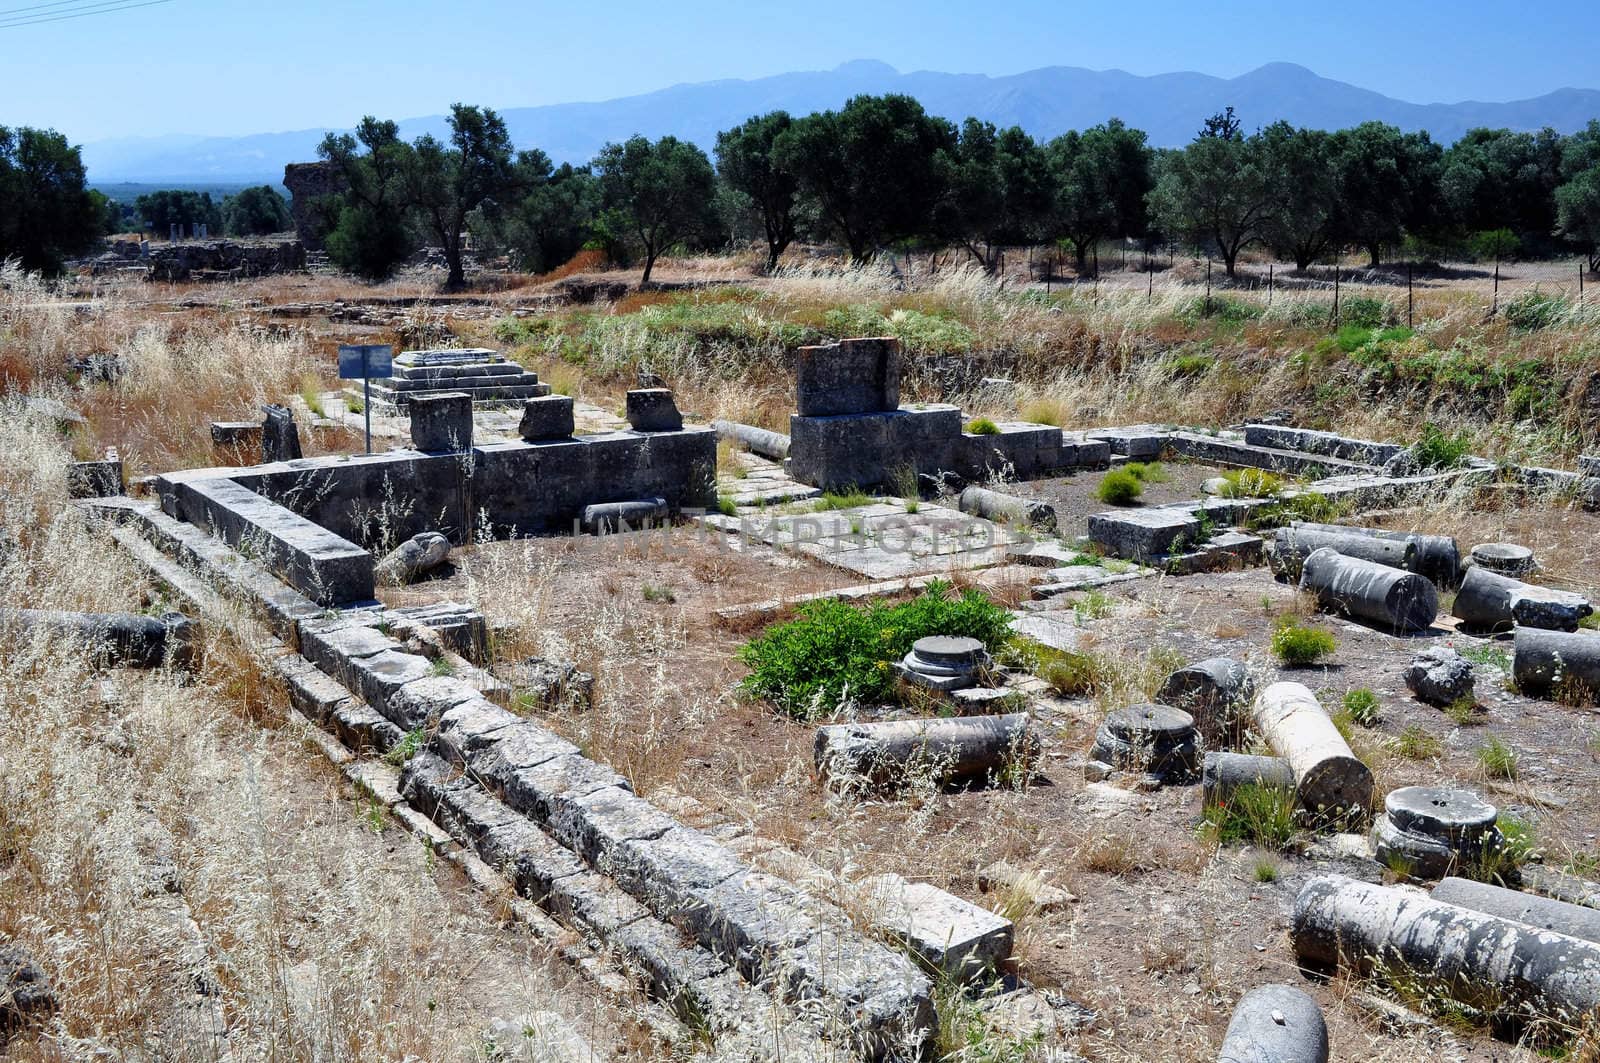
[(464, 383)]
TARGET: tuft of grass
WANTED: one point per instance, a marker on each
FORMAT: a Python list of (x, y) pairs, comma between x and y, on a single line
[(1362, 705), (1510, 845), (1150, 472), (1262, 815), (726, 506), (1438, 449), (653, 593), (1119, 487), (1250, 483), (1300, 645), (311, 392), (1464, 711), (442, 666), (1414, 743), (1498, 760), (1266, 869), (354, 404), (982, 426), (1042, 412), (1094, 605), (847, 499)]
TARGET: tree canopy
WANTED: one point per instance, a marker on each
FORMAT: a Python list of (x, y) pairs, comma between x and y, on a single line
[(660, 192), (46, 212)]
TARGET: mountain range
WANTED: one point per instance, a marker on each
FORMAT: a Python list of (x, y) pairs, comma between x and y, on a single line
[(1045, 102)]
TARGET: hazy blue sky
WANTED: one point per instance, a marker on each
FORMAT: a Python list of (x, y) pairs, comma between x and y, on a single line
[(233, 67)]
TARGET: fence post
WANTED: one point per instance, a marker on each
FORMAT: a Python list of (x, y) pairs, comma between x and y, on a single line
[(1410, 297), (1150, 284), (1495, 307), (1205, 309), (1580, 283), (1336, 291), (1269, 283)]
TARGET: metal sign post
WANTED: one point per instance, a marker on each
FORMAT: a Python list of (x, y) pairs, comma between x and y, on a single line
[(363, 361)]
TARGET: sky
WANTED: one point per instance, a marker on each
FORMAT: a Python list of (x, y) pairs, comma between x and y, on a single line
[(106, 68)]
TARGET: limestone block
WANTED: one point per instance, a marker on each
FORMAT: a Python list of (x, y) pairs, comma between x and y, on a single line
[(280, 439), (1222, 773), (412, 559), (849, 377), (653, 410), (1144, 534), (441, 422), (945, 932), (94, 479), (548, 417)]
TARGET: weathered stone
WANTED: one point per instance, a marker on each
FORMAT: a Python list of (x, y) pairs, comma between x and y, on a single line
[(1489, 601), (1215, 691), (849, 377), (1137, 441), (1437, 556), (126, 639), (1292, 545), (1275, 1024), (1543, 912), (412, 559), (1428, 832), (1548, 660), (947, 933), (1144, 534), (653, 410), (280, 438), (1008, 509), (1440, 676), (949, 749), (774, 446), (1396, 600), (423, 702), (441, 422), (26, 994), (1329, 778), (1328, 444), (546, 417), (941, 662), (1154, 739), (1477, 959), (313, 203), (1508, 559), (633, 515), (867, 450), (549, 685), (236, 442), (1222, 773), (94, 479)]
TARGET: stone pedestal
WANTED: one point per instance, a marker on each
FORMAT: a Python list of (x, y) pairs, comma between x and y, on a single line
[(280, 439), (1428, 832), (1156, 740), (848, 377), (441, 421), (94, 479), (943, 662), (653, 410), (546, 417), (1508, 559)]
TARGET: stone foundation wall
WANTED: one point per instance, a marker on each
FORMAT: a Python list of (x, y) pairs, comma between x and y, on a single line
[(224, 259)]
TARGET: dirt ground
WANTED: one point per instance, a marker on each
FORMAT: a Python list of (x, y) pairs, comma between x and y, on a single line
[(1074, 496), (1167, 930)]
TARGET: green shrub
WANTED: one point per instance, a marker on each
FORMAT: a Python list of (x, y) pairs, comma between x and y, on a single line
[(1148, 472), (1414, 743), (1438, 449), (1498, 760), (1306, 505), (1224, 309), (1534, 310), (833, 652), (727, 507), (1119, 487), (982, 426), (1072, 675), (1254, 813), (1363, 311), (1362, 705), (1352, 338), (1299, 645)]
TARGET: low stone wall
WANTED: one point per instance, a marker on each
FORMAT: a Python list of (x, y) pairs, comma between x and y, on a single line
[(224, 259)]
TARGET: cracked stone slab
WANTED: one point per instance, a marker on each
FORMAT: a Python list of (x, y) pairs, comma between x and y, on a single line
[(946, 932)]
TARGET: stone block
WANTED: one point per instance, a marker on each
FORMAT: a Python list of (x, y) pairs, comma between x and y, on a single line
[(549, 417), (653, 410), (423, 702), (945, 932), (866, 450), (849, 377), (441, 422), (94, 479), (236, 442), (1327, 444), (1140, 442), (625, 516), (280, 438), (1143, 534)]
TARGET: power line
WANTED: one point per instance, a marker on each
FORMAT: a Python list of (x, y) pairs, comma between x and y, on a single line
[(101, 9), (39, 7)]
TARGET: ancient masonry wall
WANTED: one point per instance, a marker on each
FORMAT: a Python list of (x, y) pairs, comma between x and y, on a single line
[(305, 518)]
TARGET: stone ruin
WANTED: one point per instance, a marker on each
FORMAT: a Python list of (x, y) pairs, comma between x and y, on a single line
[(309, 183), (224, 260), (486, 376)]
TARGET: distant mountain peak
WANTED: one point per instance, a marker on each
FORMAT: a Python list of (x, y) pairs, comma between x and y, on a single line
[(866, 68), (1045, 102)]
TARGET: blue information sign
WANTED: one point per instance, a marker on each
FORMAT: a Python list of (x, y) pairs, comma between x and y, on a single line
[(365, 361)]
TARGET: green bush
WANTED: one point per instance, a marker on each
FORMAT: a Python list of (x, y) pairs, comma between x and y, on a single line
[(1119, 487), (1148, 473), (1298, 645), (835, 653), (982, 426), (1186, 365), (1534, 310), (1224, 309), (1363, 311), (1438, 449), (1352, 338)]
